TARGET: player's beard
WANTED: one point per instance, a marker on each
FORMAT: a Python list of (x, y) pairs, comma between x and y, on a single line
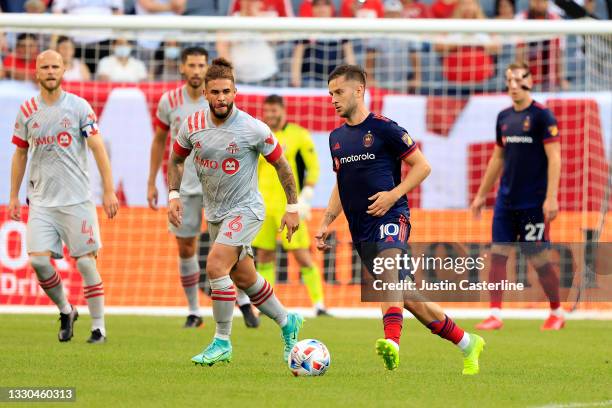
[(349, 110), (275, 123), (230, 107), (195, 83), (58, 83)]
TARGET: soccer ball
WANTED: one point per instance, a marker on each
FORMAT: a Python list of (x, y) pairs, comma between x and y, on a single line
[(309, 358)]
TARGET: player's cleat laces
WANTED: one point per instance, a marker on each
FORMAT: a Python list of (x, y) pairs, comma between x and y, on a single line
[(96, 337), (472, 354), (67, 325), (388, 352), (490, 323), (217, 351), (290, 332), (553, 323), (250, 320), (193, 321)]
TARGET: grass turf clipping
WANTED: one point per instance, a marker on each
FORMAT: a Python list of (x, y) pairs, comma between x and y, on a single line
[(146, 362)]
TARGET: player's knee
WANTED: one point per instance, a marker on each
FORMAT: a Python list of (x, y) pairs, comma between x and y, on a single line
[(503, 250), (86, 265), (42, 266), (215, 268), (303, 257), (265, 255), (186, 247), (538, 259)]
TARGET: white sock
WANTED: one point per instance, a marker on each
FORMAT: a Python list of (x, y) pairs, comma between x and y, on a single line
[(464, 342), (242, 298), (557, 312), (319, 306), (496, 312), (65, 309), (98, 324), (394, 344)]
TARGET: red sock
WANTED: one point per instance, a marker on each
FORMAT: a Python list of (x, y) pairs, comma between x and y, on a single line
[(392, 321), (550, 283), (446, 329), (497, 273)]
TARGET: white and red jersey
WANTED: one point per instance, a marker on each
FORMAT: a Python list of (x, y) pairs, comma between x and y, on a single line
[(173, 108), (226, 159), (56, 138)]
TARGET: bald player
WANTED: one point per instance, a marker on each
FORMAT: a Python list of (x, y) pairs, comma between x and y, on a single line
[(55, 128)]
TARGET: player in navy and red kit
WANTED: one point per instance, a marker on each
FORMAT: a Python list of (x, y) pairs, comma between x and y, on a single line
[(367, 155), (528, 157)]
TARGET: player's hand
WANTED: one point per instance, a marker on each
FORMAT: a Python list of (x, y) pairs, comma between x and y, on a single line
[(175, 212), (14, 209), (291, 220), (152, 196), (382, 202), (321, 237), (110, 204), (476, 206), (550, 209)]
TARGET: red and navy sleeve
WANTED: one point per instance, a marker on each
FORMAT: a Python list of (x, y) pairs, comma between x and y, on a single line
[(549, 129), (498, 134), (399, 141)]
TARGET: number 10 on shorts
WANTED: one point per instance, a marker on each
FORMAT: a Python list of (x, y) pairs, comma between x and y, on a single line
[(388, 230)]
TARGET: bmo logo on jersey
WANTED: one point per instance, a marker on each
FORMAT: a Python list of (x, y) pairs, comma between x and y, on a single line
[(230, 166), (205, 163), (64, 139)]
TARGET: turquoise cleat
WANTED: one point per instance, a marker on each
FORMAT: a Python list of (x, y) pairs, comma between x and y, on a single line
[(216, 352), (290, 332)]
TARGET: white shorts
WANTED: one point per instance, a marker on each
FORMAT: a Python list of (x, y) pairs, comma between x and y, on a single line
[(236, 230), (192, 217), (76, 225)]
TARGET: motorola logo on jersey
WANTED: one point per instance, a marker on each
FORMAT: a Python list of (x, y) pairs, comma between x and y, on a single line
[(516, 139), (357, 157), (230, 166)]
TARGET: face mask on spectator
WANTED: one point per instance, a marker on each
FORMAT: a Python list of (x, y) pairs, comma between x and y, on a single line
[(172, 53), (123, 51)]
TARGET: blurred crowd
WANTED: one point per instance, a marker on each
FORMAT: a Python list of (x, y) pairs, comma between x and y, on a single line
[(452, 62)]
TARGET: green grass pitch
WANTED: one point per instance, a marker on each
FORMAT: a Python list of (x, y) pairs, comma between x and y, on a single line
[(146, 362)]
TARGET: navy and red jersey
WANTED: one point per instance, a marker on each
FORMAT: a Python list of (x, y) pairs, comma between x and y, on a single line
[(367, 159), (522, 135)]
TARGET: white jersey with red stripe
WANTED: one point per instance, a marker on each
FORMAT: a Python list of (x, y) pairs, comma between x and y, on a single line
[(56, 138), (173, 108), (226, 158)]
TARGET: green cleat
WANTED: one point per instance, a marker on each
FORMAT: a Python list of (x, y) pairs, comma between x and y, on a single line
[(216, 352), (389, 353), (290, 332), (471, 355)]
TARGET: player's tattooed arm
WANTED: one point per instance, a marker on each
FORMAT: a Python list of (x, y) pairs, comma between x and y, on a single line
[(334, 207), (291, 219), (285, 175), (175, 171)]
